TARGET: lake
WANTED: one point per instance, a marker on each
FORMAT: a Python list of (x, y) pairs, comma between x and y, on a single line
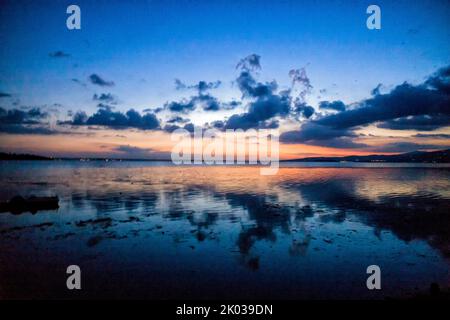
[(155, 230)]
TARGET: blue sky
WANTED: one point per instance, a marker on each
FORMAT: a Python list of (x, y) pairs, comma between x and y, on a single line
[(142, 46)]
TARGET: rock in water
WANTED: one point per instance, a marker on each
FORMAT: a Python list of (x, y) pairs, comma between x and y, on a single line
[(19, 204)]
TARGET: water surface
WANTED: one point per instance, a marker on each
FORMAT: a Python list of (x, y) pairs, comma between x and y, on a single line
[(154, 230)]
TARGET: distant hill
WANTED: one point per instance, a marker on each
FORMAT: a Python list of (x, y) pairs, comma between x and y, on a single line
[(442, 156), (14, 156)]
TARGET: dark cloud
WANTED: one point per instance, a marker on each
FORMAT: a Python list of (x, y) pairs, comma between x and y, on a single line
[(407, 107), (430, 98), (332, 105), (34, 121), (420, 123), (77, 81), (231, 105), (203, 99), (250, 63), (300, 83), (207, 102), (182, 106), (405, 100), (59, 54), (201, 86), (25, 129), (16, 121), (260, 112), (304, 110), (376, 91), (96, 79), (266, 103), (315, 134), (218, 124), (171, 127), (440, 80), (153, 110), (250, 88), (179, 85), (177, 119), (116, 119), (432, 135), (4, 95), (105, 106), (105, 97), (189, 127), (308, 111), (79, 118), (17, 116)]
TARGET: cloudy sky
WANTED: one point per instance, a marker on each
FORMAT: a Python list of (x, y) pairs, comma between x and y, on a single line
[(137, 70)]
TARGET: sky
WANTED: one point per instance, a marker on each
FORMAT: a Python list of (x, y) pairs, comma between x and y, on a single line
[(310, 69)]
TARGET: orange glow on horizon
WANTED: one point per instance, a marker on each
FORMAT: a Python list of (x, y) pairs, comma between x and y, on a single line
[(107, 143)]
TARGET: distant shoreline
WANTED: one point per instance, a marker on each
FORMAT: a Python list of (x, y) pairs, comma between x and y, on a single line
[(20, 157), (442, 156)]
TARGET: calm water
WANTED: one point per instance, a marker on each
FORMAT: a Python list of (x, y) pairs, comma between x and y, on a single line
[(151, 230)]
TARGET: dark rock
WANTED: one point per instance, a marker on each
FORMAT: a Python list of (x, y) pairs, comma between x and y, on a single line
[(18, 204)]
